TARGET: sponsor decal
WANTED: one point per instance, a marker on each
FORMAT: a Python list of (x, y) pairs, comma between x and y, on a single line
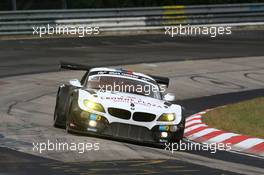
[(130, 100)]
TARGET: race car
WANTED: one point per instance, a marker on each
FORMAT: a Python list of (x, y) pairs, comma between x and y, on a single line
[(120, 104)]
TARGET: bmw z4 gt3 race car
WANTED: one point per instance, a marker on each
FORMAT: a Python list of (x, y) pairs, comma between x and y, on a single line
[(120, 104)]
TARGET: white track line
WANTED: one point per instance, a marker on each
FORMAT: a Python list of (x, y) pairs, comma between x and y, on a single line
[(193, 127), (247, 144), (202, 133), (192, 117), (192, 122), (221, 137)]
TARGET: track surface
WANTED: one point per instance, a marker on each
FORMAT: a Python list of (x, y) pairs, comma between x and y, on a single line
[(21, 163), (28, 108), (27, 104), (29, 56)]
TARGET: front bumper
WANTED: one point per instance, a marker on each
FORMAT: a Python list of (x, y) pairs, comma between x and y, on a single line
[(80, 122)]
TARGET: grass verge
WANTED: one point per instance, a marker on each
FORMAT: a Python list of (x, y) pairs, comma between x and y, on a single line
[(245, 118)]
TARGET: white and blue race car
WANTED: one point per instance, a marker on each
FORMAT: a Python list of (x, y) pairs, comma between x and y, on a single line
[(118, 103)]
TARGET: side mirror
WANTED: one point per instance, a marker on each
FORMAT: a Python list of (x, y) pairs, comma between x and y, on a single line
[(75, 82), (169, 97)]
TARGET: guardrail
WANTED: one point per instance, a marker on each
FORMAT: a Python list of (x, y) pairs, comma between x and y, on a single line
[(21, 22)]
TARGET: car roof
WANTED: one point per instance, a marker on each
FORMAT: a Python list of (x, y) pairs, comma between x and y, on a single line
[(120, 70)]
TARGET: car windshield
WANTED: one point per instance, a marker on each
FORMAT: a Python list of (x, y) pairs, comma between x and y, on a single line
[(120, 84)]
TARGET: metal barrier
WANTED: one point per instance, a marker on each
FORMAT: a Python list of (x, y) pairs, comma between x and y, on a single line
[(147, 18)]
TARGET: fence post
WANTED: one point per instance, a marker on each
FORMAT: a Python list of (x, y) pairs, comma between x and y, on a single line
[(14, 5), (64, 4)]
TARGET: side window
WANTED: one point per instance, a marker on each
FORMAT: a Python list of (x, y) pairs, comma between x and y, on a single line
[(84, 78), (162, 90)]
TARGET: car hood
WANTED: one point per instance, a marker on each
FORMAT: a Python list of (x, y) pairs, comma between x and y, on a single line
[(132, 102)]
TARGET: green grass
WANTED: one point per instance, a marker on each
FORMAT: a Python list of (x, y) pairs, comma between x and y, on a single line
[(246, 118)]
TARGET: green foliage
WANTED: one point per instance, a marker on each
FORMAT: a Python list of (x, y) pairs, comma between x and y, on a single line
[(245, 118), (80, 4), (140, 3)]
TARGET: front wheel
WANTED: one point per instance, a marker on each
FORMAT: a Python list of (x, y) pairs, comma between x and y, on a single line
[(178, 135), (56, 121), (68, 111)]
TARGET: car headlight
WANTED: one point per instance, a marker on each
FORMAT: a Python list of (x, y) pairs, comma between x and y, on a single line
[(167, 117), (93, 105)]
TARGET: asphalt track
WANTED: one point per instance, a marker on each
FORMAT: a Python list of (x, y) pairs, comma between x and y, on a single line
[(21, 163), (14, 162), (34, 56)]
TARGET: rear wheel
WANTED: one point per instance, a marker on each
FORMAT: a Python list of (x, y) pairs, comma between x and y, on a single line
[(67, 128)]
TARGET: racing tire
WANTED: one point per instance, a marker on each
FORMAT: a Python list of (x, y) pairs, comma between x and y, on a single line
[(69, 106), (178, 136), (56, 116)]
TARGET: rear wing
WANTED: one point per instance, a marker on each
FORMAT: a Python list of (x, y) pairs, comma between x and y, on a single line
[(74, 66), (161, 80)]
